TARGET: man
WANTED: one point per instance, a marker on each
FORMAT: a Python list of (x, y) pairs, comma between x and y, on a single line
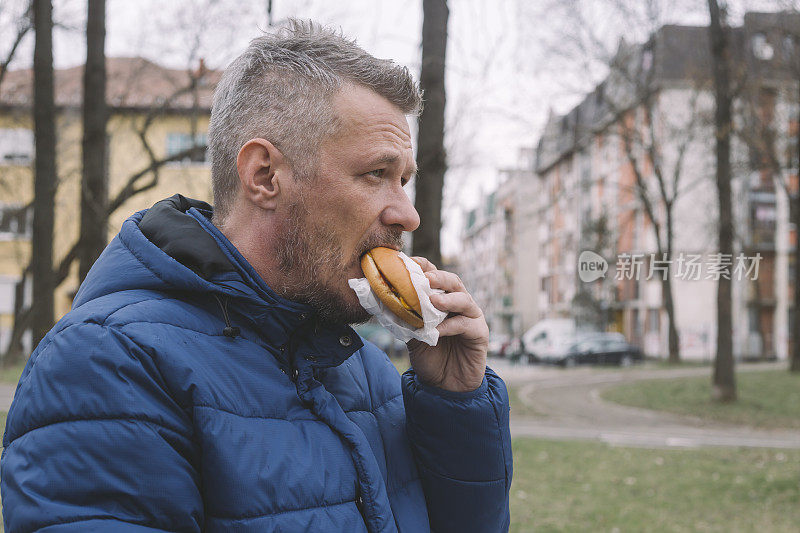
[(206, 378)]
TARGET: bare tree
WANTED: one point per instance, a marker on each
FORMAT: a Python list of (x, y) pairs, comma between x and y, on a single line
[(724, 379), (94, 186), (44, 113), (634, 113), (24, 25), (143, 179), (430, 137), (643, 129)]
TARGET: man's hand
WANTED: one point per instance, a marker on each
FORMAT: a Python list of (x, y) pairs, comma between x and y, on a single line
[(458, 361)]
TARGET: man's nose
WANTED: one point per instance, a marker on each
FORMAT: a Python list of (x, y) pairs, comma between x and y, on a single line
[(401, 211)]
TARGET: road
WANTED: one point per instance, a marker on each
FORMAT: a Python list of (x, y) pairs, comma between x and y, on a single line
[(6, 395), (571, 408)]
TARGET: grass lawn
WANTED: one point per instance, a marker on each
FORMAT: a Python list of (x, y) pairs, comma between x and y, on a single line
[(2, 431), (400, 363), (587, 486), (11, 374), (768, 399)]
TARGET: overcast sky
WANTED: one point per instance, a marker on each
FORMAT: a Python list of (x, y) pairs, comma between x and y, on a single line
[(504, 68)]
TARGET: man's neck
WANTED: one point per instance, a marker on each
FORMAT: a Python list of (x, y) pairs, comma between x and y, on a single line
[(254, 242)]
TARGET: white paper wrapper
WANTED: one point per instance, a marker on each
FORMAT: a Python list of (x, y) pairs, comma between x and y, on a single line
[(431, 316)]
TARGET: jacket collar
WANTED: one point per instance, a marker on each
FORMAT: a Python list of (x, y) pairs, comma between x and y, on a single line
[(303, 336), (182, 228)]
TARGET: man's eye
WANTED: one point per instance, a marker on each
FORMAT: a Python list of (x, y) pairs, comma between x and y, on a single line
[(378, 172)]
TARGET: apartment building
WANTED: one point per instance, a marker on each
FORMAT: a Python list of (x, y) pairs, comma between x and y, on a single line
[(594, 167)]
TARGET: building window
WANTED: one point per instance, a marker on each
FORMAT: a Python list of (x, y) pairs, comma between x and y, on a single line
[(788, 48), (761, 47), (471, 219), (647, 60), (653, 322), (180, 142), (16, 146), (15, 222), (490, 201)]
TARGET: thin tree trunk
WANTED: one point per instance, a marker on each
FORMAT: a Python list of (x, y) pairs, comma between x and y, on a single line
[(669, 304), (94, 187), (794, 215), (22, 322), (44, 113), (430, 138), (724, 380)]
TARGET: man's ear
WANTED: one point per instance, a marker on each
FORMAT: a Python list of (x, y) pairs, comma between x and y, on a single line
[(262, 168)]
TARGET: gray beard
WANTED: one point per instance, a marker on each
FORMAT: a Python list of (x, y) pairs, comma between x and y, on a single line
[(310, 260)]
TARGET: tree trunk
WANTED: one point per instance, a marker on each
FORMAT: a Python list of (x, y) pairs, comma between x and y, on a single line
[(430, 137), (724, 381), (669, 304), (44, 113), (94, 186), (794, 216)]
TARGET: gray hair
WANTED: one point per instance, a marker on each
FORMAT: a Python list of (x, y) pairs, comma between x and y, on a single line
[(281, 89)]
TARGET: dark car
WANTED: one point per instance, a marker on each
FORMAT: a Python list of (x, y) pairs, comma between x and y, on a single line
[(384, 340), (602, 349)]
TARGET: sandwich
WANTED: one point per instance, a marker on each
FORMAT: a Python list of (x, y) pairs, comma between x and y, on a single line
[(391, 282)]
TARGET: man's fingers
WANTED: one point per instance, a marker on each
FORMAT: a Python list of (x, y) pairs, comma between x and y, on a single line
[(456, 302), (447, 281), (426, 265), (469, 328)]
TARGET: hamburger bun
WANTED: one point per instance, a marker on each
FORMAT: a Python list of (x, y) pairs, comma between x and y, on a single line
[(391, 282)]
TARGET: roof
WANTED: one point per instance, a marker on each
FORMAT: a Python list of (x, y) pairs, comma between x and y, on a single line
[(132, 83)]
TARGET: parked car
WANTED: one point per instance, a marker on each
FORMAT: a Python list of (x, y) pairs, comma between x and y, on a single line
[(381, 337), (549, 339), (497, 344), (502, 345), (601, 349)]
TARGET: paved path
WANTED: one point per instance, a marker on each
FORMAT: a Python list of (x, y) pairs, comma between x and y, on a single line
[(6, 395), (571, 407)]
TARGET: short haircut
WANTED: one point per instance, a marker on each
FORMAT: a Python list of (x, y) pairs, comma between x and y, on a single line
[(281, 89)]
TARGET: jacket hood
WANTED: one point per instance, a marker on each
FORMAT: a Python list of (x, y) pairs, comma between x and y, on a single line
[(173, 246)]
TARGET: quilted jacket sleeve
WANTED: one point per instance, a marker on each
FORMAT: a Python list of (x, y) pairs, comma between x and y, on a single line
[(462, 445), (94, 442)]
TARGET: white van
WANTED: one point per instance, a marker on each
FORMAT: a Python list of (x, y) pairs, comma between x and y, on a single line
[(547, 340)]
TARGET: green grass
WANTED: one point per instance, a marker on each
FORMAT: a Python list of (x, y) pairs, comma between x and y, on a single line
[(663, 363), (401, 363), (11, 374), (2, 432), (768, 399), (581, 486)]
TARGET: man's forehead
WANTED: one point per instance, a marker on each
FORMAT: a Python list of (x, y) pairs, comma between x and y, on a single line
[(362, 110)]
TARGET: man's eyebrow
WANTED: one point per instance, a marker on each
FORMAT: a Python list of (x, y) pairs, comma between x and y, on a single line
[(390, 159), (384, 159)]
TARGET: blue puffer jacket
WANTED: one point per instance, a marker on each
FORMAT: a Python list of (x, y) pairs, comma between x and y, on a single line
[(182, 394)]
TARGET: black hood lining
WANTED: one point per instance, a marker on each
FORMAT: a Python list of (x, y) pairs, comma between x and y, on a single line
[(179, 235)]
